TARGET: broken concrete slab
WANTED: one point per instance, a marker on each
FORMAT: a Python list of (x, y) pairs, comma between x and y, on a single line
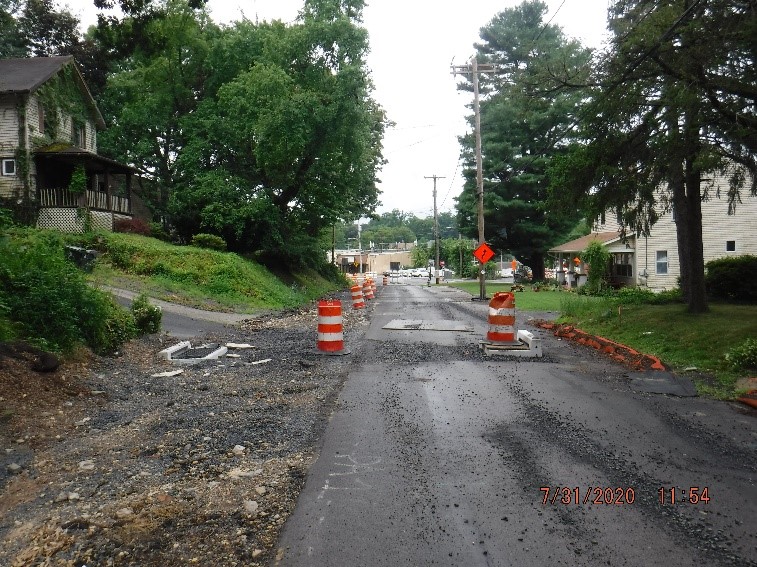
[(183, 353)]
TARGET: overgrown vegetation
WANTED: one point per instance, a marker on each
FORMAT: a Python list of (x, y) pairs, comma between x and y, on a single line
[(147, 317), (597, 257), (199, 277), (210, 241), (47, 301)]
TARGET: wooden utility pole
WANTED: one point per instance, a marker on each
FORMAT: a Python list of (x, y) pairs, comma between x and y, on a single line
[(436, 228), (473, 69)]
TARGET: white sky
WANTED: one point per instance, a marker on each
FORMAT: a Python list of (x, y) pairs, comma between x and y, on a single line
[(413, 43)]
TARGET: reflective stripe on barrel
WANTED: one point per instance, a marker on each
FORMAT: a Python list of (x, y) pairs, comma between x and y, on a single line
[(357, 297), (502, 318), (330, 334)]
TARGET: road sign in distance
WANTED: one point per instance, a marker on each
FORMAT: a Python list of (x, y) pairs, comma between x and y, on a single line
[(483, 253)]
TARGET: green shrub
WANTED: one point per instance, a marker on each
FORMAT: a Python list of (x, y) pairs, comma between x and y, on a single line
[(734, 277), (743, 356), (597, 257), (634, 295), (111, 325), (47, 301), (6, 218), (209, 241), (147, 317), (132, 226), (158, 231), (666, 297)]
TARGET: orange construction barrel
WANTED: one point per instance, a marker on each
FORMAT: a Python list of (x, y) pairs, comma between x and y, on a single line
[(357, 297), (330, 333), (368, 290), (502, 318)]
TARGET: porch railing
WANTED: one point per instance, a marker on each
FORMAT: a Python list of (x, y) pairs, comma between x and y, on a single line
[(96, 200)]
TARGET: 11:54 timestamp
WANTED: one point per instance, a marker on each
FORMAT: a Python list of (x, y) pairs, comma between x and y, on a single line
[(677, 495)]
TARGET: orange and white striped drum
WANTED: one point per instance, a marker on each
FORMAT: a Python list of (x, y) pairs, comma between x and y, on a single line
[(357, 297), (502, 318), (330, 331), (386, 280), (368, 290)]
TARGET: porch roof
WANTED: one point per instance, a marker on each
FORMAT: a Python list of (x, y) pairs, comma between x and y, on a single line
[(580, 244), (74, 155)]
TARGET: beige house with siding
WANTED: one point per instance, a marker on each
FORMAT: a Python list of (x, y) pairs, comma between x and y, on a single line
[(652, 261), (48, 128)]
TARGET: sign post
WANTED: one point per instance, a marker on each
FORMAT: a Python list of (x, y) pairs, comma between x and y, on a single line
[(483, 254)]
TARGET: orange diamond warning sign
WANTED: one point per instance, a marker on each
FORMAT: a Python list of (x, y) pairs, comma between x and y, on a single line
[(483, 253)]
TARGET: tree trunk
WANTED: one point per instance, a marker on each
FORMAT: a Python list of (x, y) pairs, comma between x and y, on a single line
[(697, 296), (536, 262), (687, 202)]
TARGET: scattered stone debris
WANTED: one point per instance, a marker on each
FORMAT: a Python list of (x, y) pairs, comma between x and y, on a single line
[(201, 469)]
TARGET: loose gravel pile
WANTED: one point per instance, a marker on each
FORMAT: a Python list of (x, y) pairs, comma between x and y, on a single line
[(114, 461)]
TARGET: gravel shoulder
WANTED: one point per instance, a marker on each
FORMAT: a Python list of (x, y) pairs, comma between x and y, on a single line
[(104, 463)]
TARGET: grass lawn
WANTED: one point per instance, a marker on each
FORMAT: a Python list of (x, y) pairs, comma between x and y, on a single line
[(680, 339), (527, 300)]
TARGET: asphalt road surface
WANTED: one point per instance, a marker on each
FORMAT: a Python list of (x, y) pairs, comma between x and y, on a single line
[(439, 455)]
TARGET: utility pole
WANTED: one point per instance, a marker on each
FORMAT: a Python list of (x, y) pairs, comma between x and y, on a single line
[(436, 227), (473, 69), (360, 247)]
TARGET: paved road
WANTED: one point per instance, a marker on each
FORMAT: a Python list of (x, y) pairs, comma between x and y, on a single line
[(440, 456)]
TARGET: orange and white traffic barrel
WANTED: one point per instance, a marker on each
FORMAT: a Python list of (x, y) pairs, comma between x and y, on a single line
[(386, 280), (357, 297), (502, 318), (330, 332), (368, 290), (373, 287)]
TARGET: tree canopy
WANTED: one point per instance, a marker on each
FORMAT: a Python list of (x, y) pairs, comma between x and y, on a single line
[(674, 101), (525, 118), (262, 133)]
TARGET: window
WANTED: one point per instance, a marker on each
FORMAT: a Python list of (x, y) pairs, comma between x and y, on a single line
[(662, 261), (730, 246), (9, 167), (623, 267), (41, 117), (80, 135)]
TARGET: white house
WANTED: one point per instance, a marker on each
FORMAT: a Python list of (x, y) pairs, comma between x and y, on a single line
[(48, 127), (652, 261)]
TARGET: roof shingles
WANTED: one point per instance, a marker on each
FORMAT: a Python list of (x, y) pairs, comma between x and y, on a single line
[(24, 75)]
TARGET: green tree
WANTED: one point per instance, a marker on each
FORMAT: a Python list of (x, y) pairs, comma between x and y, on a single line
[(12, 41), (675, 101), (290, 142), (37, 28), (149, 99), (525, 115)]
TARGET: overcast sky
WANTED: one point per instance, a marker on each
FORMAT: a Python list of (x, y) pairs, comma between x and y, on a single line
[(413, 43)]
